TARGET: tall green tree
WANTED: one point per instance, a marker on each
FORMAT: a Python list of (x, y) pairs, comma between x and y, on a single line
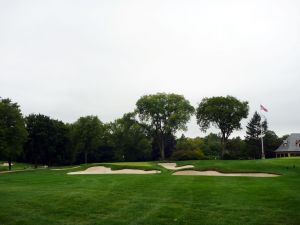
[(255, 128), (61, 153), (237, 149), (271, 142), (224, 113), (12, 130), (169, 146), (87, 135), (212, 146), (130, 139), (47, 140), (164, 114), (39, 130)]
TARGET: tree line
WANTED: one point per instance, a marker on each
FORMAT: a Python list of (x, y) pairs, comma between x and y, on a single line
[(147, 133)]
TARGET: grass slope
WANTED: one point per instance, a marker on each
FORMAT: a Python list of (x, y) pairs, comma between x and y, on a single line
[(52, 197)]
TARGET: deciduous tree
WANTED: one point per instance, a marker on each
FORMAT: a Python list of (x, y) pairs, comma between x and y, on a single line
[(164, 114), (87, 135), (224, 113), (12, 130), (47, 140), (130, 139)]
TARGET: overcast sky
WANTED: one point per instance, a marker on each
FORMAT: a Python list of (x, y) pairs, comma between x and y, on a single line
[(68, 59)]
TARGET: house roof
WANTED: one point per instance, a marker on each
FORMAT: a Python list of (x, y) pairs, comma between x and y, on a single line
[(292, 143)]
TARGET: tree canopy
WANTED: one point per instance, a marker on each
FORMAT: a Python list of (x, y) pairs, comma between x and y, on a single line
[(130, 139), (148, 133), (12, 130), (164, 114), (87, 135), (224, 113), (47, 140), (256, 127)]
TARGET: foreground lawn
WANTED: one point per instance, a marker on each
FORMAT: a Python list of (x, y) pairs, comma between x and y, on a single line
[(52, 197)]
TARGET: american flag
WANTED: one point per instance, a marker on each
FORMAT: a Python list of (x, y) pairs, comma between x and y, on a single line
[(263, 108)]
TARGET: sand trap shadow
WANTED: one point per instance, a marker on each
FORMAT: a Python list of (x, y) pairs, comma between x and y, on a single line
[(106, 170), (6, 164), (173, 166), (216, 173), (69, 168)]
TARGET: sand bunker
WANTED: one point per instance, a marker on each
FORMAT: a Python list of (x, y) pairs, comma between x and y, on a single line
[(216, 173), (173, 166), (105, 170)]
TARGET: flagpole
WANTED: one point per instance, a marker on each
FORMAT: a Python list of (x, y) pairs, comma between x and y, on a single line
[(262, 108), (262, 141)]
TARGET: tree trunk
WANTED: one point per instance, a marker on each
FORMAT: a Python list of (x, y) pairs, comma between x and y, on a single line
[(224, 142), (85, 157), (161, 145), (162, 148), (9, 165), (223, 149), (35, 163)]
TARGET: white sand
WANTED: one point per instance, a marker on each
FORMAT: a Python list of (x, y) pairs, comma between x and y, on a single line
[(216, 173), (173, 166), (106, 170)]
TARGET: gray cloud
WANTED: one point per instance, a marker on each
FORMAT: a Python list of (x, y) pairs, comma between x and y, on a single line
[(72, 58)]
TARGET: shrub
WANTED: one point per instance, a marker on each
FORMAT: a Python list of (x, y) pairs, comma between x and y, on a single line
[(188, 155)]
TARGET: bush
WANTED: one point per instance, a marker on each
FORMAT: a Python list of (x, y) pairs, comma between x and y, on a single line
[(228, 156), (187, 155)]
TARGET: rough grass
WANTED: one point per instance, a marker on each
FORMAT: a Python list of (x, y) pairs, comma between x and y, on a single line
[(52, 197), (16, 166)]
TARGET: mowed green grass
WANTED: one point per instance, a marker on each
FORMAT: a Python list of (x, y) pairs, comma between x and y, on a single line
[(53, 197)]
